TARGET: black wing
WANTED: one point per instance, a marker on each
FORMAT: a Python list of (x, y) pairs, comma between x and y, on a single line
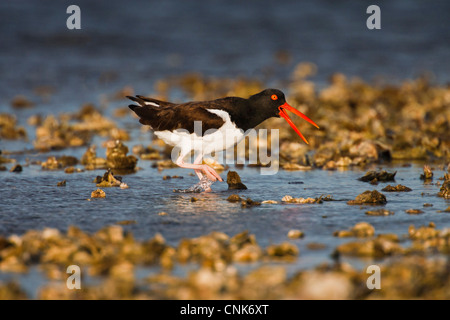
[(162, 115)]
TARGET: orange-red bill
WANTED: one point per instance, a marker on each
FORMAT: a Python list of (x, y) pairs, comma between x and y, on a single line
[(286, 117)]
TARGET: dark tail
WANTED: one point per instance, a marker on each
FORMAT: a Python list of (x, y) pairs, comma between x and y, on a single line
[(146, 113), (136, 99)]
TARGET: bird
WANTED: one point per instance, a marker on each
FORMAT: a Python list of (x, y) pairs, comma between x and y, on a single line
[(210, 126)]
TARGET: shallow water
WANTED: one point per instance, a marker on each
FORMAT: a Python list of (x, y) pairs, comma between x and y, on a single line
[(122, 44), (31, 200)]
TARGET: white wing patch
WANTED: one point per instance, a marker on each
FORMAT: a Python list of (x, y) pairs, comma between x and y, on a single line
[(223, 114), (147, 103)]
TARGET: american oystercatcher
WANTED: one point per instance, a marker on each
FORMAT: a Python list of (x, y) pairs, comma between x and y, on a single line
[(210, 126)]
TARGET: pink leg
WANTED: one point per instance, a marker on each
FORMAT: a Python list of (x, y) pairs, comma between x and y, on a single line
[(198, 160), (210, 172)]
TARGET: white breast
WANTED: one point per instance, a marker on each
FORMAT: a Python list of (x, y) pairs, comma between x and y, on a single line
[(214, 140)]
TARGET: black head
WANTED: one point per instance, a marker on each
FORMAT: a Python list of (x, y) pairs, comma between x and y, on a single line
[(268, 102), (272, 103)]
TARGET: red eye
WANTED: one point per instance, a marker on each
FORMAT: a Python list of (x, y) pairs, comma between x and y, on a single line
[(274, 97)]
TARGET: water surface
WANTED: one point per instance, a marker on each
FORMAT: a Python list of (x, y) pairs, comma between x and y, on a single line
[(137, 43)]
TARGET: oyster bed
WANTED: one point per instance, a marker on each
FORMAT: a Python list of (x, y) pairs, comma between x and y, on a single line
[(93, 188)]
